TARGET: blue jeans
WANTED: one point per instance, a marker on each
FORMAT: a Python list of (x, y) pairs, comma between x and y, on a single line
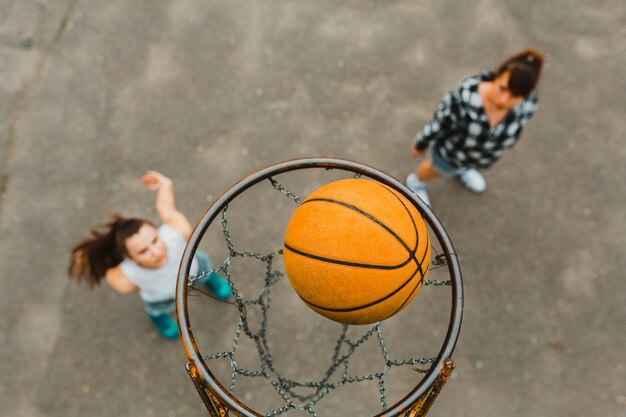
[(168, 306), (443, 168), (204, 262)]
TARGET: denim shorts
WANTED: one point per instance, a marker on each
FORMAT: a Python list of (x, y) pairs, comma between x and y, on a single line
[(168, 306), (443, 168)]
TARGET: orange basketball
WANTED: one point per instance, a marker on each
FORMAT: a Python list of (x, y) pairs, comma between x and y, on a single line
[(356, 251)]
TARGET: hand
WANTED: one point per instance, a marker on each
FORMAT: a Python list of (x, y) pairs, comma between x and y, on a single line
[(416, 152), (153, 180)]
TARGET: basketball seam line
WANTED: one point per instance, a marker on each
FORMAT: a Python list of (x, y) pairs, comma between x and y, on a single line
[(417, 234), (423, 274), (364, 213), (418, 285), (421, 280), (391, 294), (347, 263), (411, 253)]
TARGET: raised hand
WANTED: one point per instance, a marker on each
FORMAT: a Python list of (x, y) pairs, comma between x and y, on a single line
[(154, 180)]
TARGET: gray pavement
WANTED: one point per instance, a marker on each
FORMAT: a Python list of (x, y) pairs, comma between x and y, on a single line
[(93, 93)]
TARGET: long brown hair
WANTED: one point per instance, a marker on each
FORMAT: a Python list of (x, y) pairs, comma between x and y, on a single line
[(104, 249), (525, 69)]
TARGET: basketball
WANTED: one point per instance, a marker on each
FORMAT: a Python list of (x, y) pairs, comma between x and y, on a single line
[(356, 251)]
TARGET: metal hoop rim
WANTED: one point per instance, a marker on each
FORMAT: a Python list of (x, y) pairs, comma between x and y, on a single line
[(456, 314)]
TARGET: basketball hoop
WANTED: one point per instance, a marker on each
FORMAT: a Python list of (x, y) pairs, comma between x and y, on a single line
[(222, 399)]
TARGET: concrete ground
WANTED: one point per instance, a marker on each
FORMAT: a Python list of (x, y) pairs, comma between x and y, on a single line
[(94, 93)]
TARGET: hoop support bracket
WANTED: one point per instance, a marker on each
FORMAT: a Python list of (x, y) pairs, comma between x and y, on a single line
[(209, 399), (422, 407)]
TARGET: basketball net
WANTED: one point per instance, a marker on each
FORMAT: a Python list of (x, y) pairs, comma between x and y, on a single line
[(306, 394)]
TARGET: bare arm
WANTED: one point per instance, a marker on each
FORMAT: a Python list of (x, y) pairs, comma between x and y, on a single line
[(165, 203), (117, 279), (416, 152)]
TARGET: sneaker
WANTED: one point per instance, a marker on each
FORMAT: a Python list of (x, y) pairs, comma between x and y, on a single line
[(218, 286), (418, 188), (472, 180), (166, 325)]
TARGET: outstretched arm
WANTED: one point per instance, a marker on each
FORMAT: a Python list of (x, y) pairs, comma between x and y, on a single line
[(165, 204)]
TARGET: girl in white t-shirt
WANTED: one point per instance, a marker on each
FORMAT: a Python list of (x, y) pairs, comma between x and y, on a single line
[(132, 254)]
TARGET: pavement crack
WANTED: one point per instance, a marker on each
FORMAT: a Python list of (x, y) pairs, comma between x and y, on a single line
[(19, 103)]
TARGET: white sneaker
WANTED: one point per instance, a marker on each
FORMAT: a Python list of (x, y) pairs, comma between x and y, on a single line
[(472, 180), (418, 188)]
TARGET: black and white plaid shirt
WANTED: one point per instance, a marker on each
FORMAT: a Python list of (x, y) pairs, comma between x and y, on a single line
[(460, 128)]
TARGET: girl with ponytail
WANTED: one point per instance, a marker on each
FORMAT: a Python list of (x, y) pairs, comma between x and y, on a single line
[(132, 254)]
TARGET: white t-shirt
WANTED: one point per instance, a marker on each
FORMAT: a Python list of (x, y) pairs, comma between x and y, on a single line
[(160, 284)]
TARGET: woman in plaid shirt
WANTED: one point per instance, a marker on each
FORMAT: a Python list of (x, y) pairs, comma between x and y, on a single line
[(477, 122)]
